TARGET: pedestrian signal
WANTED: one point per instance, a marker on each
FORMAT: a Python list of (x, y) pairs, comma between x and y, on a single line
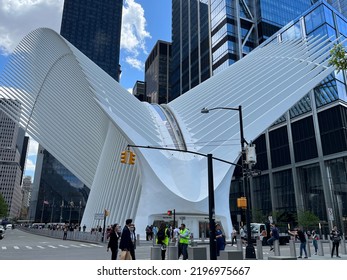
[(132, 157), (169, 212), (242, 202)]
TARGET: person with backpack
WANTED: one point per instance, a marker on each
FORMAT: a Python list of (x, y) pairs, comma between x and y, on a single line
[(335, 237), (163, 239)]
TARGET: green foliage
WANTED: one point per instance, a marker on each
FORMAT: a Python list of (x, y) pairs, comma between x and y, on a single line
[(258, 216), (338, 57), (3, 207), (307, 219)]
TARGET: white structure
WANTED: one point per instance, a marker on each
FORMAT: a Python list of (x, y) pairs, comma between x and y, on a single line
[(85, 119)]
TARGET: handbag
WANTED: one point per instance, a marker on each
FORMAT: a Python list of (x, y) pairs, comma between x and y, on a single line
[(125, 255)]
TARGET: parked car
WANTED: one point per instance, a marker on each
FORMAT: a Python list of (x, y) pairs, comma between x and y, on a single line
[(9, 226), (2, 232)]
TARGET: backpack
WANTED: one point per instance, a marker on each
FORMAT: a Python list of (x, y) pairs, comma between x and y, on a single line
[(161, 236)]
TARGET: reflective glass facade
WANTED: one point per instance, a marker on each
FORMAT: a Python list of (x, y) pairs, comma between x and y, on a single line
[(157, 70), (191, 64), (61, 196), (94, 27), (306, 149)]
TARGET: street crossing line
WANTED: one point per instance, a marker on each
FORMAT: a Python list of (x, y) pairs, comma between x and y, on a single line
[(30, 248), (64, 246), (3, 248), (76, 246), (51, 246), (96, 245), (85, 245), (16, 247), (41, 247)]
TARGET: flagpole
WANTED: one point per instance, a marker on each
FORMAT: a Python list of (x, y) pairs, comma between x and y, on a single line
[(43, 207)]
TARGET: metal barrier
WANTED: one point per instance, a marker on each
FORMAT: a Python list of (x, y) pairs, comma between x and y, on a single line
[(260, 254)]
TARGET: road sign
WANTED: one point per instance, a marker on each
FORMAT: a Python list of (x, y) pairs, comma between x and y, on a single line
[(330, 214), (98, 216)]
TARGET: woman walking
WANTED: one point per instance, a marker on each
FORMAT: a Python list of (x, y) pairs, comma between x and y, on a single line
[(113, 241)]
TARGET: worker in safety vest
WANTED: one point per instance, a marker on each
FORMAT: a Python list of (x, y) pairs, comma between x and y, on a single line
[(184, 236)]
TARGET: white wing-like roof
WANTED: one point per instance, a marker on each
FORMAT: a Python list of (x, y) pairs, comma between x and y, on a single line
[(85, 119)]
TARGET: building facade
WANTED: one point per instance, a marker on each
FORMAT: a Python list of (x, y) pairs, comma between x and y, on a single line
[(10, 161), (303, 155), (139, 90), (26, 191), (157, 73), (94, 27), (191, 60)]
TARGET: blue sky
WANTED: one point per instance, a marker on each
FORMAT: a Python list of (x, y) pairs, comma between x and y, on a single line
[(144, 22)]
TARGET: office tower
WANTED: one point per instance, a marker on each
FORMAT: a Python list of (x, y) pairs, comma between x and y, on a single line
[(139, 90), (10, 157), (26, 191), (303, 155), (191, 62), (94, 27), (157, 70)]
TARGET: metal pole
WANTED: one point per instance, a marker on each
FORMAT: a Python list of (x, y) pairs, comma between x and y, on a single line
[(103, 229), (211, 210), (250, 250)]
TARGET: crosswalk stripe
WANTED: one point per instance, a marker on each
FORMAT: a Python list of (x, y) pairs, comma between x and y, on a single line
[(51, 246), (76, 246), (16, 247), (96, 245), (64, 246), (29, 247), (41, 247), (3, 248), (84, 245)]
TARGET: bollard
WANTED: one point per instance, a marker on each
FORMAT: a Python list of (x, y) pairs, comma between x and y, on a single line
[(292, 248), (197, 253), (239, 243), (172, 252), (308, 249), (260, 255), (138, 240), (343, 245), (320, 248), (156, 253), (277, 248)]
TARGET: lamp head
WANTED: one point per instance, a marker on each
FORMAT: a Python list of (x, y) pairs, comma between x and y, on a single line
[(205, 110)]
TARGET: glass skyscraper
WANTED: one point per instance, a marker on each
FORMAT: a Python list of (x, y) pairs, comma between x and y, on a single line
[(191, 61), (94, 27), (303, 155)]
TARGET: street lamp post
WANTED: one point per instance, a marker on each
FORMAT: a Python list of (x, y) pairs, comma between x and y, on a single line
[(250, 251)]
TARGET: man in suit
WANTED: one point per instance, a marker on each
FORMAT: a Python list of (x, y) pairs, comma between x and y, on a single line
[(126, 243)]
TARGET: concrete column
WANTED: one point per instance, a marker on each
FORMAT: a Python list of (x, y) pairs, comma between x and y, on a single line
[(320, 248), (277, 248), (260, 255), (292, 248)]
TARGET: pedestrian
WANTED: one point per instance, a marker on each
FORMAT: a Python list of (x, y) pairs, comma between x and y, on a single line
[(301, 235), (335, 237), (315, 237), (148, 232), (220, 238), (113, 241), (274, 236), (84, 228), (243, 235), (133, 240), (65, 232), (163, 239), (233, 237), (184, 236), (126, 243)]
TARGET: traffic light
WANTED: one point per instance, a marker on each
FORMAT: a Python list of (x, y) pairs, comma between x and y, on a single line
[(132, 157), (123, 157), (169, 212), (242, 202)]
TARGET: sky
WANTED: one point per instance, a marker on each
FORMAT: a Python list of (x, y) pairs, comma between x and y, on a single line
[(144, 22)]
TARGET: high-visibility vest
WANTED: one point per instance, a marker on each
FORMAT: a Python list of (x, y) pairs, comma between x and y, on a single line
[(184, 240)]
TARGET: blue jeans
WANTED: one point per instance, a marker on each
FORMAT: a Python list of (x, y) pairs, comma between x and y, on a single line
[(271, 240), (303, 247)]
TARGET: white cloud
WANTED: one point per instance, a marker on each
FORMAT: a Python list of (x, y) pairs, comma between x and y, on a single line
[(134, 33), (33, 147), (30, 165), (19, 17), (134, 62)]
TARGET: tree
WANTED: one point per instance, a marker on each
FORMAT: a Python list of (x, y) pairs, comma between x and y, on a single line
[(3, 207), (307, 219), (338, 57)]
